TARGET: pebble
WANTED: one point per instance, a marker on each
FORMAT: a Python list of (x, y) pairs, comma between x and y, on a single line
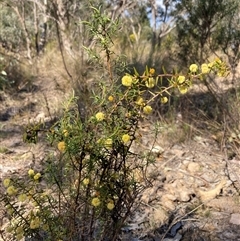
[(235, 218)]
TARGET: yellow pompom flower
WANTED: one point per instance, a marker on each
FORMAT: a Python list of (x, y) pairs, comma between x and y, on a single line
[(132, 37), (139, 101), (65, 133), (183, 89), (9, 229), (100, 116), (11, 190), (61, 146), (19, 230), (125, 138), (108, 143), (205, 69), (19, 236), (181, 79), (150, 83), (31, 172), (147, 109), (22, 197), (151, 71), (35, 223), (110, 205), (37, 176), (6, 182), (110, 98), (96, 202), (127, 80), (164, 99), (86, 181), (193, 68)]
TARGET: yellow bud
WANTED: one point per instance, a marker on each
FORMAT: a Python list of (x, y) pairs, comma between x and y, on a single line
[(151, 71), (150, 83), (127, 80), (96, 202), (110, 205), (37, 176), (6, 182), (125, 138), (11, 190), (100, 116), (205, 69), (65, 133), (183, 89), (61, 146), (31, 172), (181, 79), (86, 181), (164, 99), (35, 223), (139, 101), (193, 68), (147, 109), (108, 143), (110, 98)]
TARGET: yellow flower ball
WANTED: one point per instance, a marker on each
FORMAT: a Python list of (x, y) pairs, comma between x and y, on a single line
[(125, 138), (164, 99), (183, 89), (35, 223), (61, 146), (193, 68), (181, 79), (37, 176), (19, 236), (22, 197), (150, 83), (19, 230), (96, 202), (140, 101), (9, 229), (65, 133), (6, 182), (127, 80), (205, 69), (147, 109), (151, 71), (31, 172), (11, 190), (100, 116), (110, 205), (108, 143), (86, 181), (110, 98), (132, 37)]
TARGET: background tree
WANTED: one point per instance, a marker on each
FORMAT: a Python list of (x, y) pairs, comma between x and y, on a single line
[(198, 24)]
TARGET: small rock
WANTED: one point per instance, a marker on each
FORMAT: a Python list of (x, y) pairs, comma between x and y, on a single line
[(235, 218), (169, 205), (184, 196), (158, 217), (193, 167), (157, 150)]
